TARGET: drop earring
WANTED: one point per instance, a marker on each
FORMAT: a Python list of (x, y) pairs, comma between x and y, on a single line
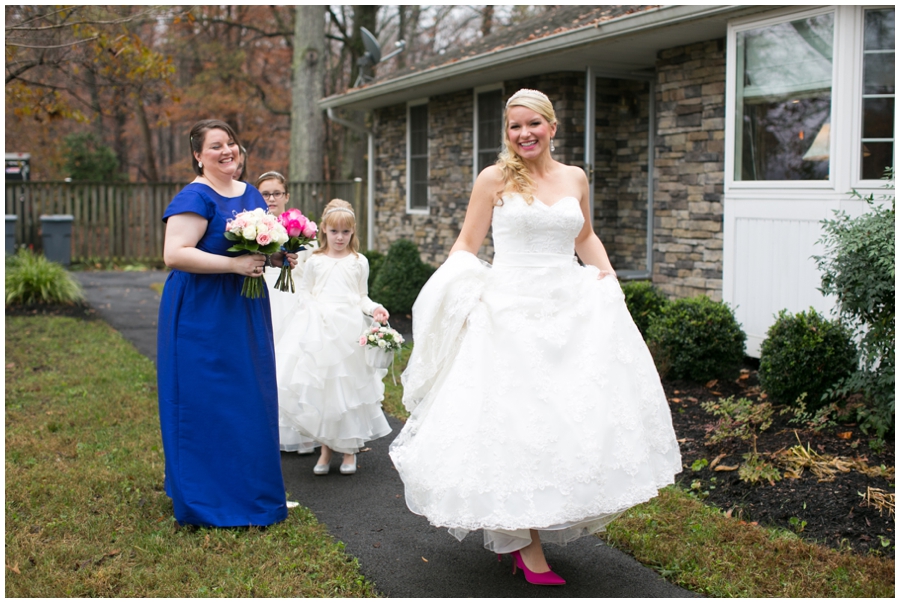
[(200, 164), (552, 147)]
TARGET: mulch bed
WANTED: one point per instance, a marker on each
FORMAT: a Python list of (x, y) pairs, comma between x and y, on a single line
[(71, 310), (834, 510)]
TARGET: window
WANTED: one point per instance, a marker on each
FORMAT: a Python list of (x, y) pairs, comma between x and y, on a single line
[(784, 74), (877, 93), (417, 157), (488, 128)]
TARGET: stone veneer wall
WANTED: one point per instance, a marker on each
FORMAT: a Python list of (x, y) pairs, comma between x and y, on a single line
[(690, 170), (620, 170), (450, 130)]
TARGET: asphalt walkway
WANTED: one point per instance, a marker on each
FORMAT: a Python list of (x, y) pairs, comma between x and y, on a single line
[(400, 552)]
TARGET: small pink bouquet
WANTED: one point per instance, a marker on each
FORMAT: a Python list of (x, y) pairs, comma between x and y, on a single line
[(257, 232), (300, 231)]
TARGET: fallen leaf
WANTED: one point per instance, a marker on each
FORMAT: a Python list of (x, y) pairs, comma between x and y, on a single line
[(377, 545), (845, 435), (692, 399), (715, 393), (763, 395), (727, 468), (728, 512), (711, 384), (11, 365), (676, 400), (14, 568), (424, 559), (716, 460)]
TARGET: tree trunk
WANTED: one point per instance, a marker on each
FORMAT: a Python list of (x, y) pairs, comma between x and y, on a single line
[(487, 20), (147, 139), (307, 121)]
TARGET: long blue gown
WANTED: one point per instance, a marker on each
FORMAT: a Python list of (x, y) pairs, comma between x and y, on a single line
[(218, 397)]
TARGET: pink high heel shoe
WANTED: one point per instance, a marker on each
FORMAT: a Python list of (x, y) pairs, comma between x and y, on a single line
[(543, 579)]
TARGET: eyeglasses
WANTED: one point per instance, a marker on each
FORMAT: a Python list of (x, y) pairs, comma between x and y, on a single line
[(275, 195)]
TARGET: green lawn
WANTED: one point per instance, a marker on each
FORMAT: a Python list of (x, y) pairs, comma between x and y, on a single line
[(86, 514)]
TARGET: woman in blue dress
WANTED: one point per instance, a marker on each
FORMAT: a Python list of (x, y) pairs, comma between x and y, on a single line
[(218, 398)]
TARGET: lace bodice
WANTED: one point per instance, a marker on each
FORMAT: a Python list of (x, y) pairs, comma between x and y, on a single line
[(537, 228)]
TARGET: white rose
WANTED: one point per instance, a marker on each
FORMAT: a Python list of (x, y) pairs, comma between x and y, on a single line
[(382, 343), (249, 232)]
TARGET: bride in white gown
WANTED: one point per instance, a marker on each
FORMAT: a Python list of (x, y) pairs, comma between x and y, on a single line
[(536, 409)]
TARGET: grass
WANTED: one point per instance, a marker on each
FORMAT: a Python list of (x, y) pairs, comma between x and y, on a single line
[(33, 279), (86, 514), (702, 550)]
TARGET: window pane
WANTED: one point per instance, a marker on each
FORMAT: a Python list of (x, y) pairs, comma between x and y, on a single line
[(878, 118), (418, 183), (879, 34), (783, 100), (879, 73), (875, 157), (418, 153), (490, 124)]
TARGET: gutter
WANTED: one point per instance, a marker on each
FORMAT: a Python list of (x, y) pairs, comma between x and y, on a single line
[(370, 173), (627, 25)]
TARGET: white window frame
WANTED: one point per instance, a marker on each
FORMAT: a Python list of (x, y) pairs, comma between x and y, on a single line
[(475, 149), (857, 101), (846, 105), (409, 208), (741, 25)]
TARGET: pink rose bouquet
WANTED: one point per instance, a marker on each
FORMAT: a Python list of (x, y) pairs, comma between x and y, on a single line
[(257, 232), (382, 337), (300, 231)]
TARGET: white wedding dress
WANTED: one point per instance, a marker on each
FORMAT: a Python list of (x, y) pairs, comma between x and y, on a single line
[(535, 402)]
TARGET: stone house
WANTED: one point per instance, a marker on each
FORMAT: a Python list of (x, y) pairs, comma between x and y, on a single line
[(715, 137)]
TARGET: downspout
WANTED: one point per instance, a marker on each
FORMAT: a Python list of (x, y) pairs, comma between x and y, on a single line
[(590, 136), (370, 172)]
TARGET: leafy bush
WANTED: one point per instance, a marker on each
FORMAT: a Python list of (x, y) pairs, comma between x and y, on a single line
[(858, 269), (33, 279), (697, 339), (400, 278), (805, 353), (644, 302), (740, 419), (376, 259)]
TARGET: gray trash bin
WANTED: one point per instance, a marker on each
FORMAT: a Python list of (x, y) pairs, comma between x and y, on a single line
[(11, 233), (56, 235)]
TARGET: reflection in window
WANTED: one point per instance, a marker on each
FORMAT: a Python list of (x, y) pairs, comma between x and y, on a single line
[(417, 175), (783, 96), (878, 93), (490, 127)]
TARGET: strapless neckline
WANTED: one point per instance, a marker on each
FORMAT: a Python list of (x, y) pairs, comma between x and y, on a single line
[(557, 202)]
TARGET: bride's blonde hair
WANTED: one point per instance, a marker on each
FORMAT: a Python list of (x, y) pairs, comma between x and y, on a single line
[(516, 178), (338, 214)]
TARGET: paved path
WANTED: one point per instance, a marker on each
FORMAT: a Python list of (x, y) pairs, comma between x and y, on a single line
[(400, 552)]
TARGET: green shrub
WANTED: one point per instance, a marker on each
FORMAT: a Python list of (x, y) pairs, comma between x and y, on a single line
[(400, 278), (376, 259), (858, 269), (33, 279), (697, 339), (644, 302), (805, 353)]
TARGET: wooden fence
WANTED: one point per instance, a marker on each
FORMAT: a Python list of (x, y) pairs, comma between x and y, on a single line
[(124, 221)]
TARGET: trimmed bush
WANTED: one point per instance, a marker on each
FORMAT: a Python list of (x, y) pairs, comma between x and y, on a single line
[(400, 278), (805, 353), (376, 259), (697, 339), (644, 302), (33, 279)]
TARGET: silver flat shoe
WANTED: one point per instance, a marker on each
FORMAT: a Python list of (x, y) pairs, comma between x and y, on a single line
[(349, 469), (322, 469)]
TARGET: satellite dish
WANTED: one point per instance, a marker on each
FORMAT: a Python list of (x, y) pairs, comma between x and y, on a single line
[(372, 56), (373, 49)]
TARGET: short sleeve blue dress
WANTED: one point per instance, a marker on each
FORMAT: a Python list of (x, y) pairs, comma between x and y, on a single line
[(218, 397)]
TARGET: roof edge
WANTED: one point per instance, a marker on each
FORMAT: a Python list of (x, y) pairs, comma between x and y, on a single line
[(621, 26)]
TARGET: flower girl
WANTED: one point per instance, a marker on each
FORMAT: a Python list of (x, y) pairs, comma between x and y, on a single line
[(326, 390)]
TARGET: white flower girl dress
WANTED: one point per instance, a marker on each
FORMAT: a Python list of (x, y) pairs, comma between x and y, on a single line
[(327, 392), (535, 402)]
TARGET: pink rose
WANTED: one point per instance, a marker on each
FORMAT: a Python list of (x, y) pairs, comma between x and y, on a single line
[(293, 228), (264, 239), (362, 340), (310, 230)]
